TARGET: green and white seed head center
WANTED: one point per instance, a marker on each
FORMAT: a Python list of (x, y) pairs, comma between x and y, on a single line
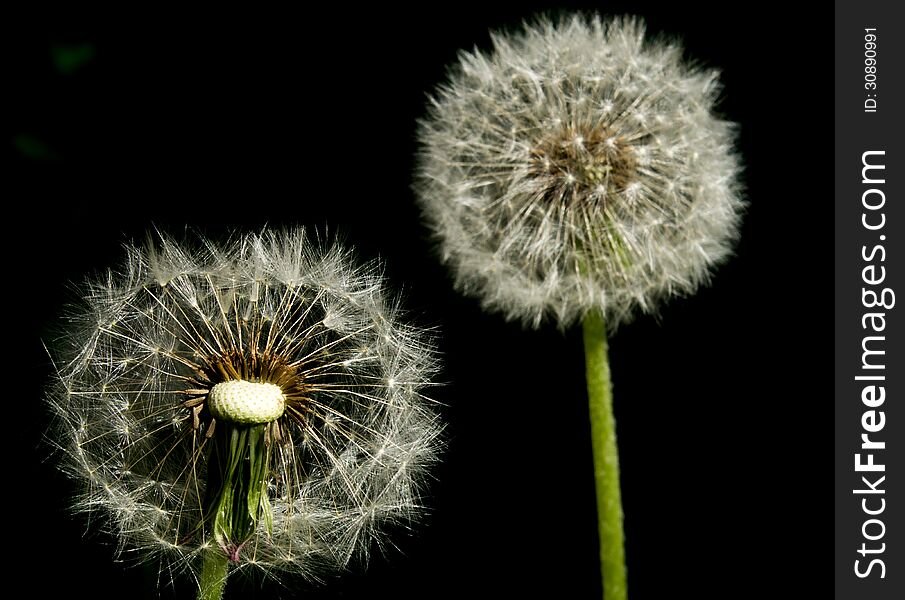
[(246, 402)]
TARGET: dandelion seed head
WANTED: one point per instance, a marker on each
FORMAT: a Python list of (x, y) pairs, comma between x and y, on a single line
[(577, 167), (268, 330)]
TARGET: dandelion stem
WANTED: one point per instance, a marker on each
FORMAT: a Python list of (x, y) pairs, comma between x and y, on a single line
[(606, 458), (213, 575)]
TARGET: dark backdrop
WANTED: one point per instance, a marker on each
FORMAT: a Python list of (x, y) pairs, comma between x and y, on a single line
[(226, 120)]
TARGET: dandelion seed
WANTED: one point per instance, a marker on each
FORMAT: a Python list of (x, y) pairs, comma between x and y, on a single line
[(226, 401), (577, 167)]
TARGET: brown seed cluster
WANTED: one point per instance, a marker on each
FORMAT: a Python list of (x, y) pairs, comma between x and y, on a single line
[(591, 158)]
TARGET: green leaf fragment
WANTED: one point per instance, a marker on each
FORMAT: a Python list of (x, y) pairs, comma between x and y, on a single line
[(33, 148), (71, 57)]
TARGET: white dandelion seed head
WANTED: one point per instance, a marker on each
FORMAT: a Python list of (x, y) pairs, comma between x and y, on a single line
[(268, 328), (578, 167)]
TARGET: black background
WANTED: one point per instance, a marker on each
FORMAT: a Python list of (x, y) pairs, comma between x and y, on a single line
[(227, 120)]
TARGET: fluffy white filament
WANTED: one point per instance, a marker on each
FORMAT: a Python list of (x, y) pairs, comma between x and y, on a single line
[(578, 167), (353, 445)]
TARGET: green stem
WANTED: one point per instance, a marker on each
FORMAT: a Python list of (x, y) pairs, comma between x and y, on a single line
[(213, 575), (606, 459)]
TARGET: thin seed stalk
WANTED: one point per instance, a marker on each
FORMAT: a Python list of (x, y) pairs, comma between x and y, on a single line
[(606, 459), (213, 575)]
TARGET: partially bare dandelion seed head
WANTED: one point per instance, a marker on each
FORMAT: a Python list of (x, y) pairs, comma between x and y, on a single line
[(578, 167), (268, 335)]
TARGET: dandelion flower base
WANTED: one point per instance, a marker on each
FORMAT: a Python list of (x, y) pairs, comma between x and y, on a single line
[(246, 402)]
